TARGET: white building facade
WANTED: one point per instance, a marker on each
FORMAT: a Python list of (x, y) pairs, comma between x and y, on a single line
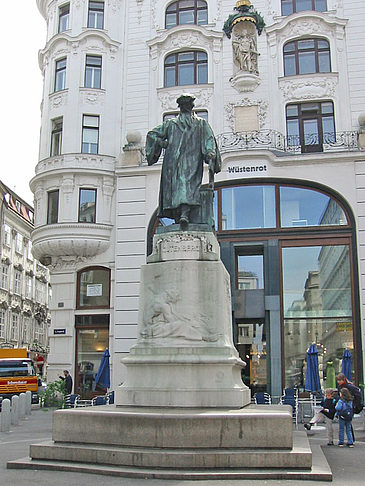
[(282, 87)]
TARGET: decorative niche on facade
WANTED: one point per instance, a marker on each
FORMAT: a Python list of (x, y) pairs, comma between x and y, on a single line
[(243, 27)]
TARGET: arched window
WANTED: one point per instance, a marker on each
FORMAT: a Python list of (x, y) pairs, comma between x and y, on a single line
[(188, 67), (307, 56), (186, 12), (289, 7), (93, 288)]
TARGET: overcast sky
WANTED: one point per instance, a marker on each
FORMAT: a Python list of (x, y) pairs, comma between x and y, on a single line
[(22, 34)]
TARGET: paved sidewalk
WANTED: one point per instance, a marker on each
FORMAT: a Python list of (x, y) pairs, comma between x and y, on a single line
[(348, 465)]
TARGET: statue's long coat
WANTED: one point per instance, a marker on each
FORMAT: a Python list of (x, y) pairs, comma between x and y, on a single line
[(188, 147)]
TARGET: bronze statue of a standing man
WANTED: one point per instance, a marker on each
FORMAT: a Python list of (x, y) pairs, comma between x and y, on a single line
[(189, 142)]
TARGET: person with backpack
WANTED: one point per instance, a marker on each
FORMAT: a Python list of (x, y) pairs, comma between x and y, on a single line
[(345, 413), (343, 382), (357, 403)]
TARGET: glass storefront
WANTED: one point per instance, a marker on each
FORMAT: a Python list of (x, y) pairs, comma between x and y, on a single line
[(317, 308), (92, 339)]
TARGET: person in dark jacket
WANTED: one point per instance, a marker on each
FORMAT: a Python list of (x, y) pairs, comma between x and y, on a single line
[(326, 414), (357, 403), (68, 382)]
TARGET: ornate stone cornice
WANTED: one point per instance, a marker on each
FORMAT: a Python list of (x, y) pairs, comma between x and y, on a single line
[(76, 162), (305, 23), (63, 44), (168, 96), (185, 36)]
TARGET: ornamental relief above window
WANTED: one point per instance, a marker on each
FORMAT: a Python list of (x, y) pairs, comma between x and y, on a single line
[(311, 88), (203, 98)]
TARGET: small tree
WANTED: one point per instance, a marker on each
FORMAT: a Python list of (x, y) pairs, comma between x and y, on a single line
[(54, 394)]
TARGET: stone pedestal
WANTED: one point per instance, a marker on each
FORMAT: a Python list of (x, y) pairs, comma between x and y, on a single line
[(184, 356), (181, 413)]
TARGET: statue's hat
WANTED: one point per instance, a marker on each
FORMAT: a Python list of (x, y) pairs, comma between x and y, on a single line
[(185, 97)]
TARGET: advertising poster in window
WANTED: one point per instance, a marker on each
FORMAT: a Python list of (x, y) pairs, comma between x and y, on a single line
[(94, 290)]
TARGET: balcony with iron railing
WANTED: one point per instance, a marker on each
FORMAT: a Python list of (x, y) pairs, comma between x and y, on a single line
[(281, 145), (277, 142)]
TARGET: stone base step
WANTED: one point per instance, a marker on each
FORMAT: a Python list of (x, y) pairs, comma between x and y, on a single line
[(320, 470), (300, 457)]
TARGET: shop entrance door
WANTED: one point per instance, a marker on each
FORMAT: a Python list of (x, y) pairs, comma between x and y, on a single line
[(251, 346)]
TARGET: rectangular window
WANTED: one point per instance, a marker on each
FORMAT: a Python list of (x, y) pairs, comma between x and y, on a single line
[(310, 125), (29, 253), (317, 308), (250, 272), (93, 72), (19, 243), (87, 206), (52, 209), (7, 235), (29, 287), (64, 18), (5, 276), (40, 292), (60, 75), (261, 200), (90, 134), (96, 15), (2, 323), (56, 137), (14, 327), (26, 329), (17, 282)]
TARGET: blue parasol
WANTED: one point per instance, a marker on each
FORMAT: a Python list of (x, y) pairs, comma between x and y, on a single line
[(346, 364), (312, 382), (103, 375)]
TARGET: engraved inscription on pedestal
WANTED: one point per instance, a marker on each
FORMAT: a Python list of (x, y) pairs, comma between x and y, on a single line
[(184, 246)]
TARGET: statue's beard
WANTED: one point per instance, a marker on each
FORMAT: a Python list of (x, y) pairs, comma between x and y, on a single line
[(186, 119)]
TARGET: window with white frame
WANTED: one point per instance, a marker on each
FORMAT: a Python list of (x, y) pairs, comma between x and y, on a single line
[(7, 235), (39, 333), (93, 72), (90, 134), (14, 326), (29, 253), (19, 243), (17, 282), (26, 329), (5, 276), (2, 323), (40, 292), (95, 19), (56, 136), (60, 75), (64, 17), (29, 287)]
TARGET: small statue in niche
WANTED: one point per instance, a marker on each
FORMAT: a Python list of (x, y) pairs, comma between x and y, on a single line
[(245, 51)]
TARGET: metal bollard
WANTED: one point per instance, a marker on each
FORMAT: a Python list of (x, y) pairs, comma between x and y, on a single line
[(28, 403), (5, 415), (22, 406), (15, 410)]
